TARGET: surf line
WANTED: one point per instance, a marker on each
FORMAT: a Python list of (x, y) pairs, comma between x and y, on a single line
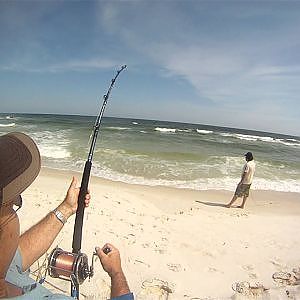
[(73, 266)]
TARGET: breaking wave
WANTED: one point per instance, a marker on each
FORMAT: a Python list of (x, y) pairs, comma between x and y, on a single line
[(8, 125), (165, 130)]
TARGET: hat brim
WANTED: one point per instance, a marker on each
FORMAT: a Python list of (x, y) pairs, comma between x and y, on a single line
[(20, 145)]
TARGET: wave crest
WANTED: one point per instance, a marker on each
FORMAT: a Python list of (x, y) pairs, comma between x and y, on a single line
[(161, 129), (202, 131), (8, 125)]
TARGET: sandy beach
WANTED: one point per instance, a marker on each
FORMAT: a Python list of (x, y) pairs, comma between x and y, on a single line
[(177, 243)]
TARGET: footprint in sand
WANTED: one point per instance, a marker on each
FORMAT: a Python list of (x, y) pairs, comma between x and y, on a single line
[(243, 215), (160, 251), (206, 253), (276, 262), (211, 269), (252, 275), (161, 248), (250, 268), (131, 238), (174, 267), (141, 262), (156, 289)]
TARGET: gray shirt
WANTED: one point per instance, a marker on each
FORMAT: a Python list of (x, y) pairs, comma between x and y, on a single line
[(31, 290)]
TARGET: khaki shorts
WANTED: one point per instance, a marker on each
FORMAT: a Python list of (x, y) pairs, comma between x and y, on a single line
[(242, 190)]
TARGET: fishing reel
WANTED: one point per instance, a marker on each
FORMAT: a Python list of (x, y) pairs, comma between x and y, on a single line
[(70, 266)]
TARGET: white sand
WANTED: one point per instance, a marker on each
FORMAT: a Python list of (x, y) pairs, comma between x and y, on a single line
[(182, 239)]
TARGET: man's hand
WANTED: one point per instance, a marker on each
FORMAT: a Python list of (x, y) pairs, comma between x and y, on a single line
[(36, 241), (69, 206), (111, 262)]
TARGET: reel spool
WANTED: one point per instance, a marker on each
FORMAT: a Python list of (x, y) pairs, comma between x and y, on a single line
[(69, 266)]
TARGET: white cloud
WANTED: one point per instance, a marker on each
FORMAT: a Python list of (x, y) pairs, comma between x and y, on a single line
[(79, 65), (224, 63), (72, 65), (276, 71), (231, 55)]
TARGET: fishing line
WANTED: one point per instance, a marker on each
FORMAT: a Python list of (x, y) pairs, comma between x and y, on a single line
[(73, 266)]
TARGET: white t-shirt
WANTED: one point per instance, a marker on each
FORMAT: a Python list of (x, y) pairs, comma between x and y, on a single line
[(249, 169)]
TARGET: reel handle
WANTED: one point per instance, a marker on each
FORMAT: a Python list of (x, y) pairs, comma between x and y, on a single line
[(106, 250)]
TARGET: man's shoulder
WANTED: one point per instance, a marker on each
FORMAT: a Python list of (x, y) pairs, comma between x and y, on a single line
[(251, 163)]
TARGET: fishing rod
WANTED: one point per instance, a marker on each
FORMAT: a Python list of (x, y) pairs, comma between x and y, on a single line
[(73, 266)]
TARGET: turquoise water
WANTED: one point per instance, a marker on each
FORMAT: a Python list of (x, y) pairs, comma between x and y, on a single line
[(149, 152)]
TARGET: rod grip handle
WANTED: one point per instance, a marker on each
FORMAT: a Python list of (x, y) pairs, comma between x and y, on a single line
[(77, 233)]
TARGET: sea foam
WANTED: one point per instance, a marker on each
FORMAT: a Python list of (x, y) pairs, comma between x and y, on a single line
[(8, 125), (160, 129), (202, 131), (225, 183), (54, 151)]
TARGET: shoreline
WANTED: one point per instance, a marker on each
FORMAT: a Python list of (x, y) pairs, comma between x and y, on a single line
[(52, 171), (184, 239), (216, 197)]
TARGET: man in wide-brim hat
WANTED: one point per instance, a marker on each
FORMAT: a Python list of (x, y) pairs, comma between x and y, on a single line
[(20, 164)]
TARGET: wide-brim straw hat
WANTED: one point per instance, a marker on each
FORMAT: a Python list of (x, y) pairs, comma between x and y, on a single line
[(20, 164)]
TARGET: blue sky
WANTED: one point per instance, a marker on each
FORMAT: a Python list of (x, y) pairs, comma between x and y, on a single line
[(227, 63)]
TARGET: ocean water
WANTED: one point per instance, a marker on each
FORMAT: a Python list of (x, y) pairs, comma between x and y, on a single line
[(180, 155)]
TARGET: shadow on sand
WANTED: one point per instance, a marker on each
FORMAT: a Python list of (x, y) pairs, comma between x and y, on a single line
[(211, 203)]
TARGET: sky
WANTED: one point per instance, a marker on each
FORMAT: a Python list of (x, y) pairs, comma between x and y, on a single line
[(224, 63)]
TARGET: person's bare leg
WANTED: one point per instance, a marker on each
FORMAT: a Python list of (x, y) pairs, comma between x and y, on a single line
[(232, 201), (243, 203)]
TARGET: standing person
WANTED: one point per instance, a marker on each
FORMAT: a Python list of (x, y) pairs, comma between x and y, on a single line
[(19, 165), (243, 186)]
